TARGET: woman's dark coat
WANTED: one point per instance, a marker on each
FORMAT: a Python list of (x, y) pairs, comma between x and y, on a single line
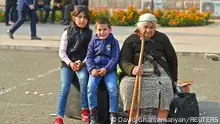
[(162, 49)]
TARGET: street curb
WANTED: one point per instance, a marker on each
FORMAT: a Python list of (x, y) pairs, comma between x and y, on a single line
[(28, 48), (207, 55)]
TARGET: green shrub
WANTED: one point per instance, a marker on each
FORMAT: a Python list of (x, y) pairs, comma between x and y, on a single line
[(2, 16)]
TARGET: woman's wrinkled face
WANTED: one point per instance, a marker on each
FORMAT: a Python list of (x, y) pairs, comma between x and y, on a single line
[(147, 29), (80, 20)]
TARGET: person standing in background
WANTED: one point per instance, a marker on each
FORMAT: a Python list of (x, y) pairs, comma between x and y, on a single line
[(10, 12), (24, 7), (58, 5), (44, 5)]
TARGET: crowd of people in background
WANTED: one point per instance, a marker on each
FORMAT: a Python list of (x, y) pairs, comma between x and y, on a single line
[(47, 6)]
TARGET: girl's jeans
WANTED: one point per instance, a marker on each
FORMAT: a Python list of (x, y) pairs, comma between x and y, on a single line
[(66, 76), (110, 80)]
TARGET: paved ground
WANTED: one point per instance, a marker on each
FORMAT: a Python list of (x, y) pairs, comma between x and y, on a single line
[(29, 86)]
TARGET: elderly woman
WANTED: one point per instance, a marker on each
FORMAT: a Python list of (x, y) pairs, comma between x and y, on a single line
[(158, 70)]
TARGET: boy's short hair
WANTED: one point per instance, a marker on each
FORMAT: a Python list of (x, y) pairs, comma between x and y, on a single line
[(102, 20)]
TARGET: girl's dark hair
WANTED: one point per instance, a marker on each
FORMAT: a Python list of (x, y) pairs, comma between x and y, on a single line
[(81, 8)]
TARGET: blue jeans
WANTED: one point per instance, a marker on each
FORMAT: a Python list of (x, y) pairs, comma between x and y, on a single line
[(110, 80), (66, 76)]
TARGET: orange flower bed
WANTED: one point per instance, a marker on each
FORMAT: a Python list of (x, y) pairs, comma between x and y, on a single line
[(191, 17), (99, 12), (129, 17)]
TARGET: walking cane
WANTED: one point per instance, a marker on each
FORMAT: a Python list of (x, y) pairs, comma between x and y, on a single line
[(139, 99), (137, 86)]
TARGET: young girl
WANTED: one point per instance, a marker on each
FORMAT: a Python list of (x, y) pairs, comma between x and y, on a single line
[(73, 48)]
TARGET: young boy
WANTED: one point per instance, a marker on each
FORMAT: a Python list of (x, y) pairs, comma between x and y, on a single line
[(102, 59)]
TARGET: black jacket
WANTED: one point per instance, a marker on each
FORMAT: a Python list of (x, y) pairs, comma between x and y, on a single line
[(78, 41), (163, 53)]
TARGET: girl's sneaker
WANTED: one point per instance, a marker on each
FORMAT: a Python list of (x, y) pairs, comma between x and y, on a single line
[(85, 115), (58, 120)]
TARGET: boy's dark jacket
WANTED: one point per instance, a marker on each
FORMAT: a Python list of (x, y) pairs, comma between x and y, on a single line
[(78, 41), (103, 53)]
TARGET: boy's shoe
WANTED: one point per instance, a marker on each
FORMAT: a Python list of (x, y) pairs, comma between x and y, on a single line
[(58, 120), (113, 118), (85, 115), (93, 122), (93, 116)]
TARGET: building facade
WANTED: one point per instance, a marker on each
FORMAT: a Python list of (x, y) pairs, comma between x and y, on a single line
[(167, 4)]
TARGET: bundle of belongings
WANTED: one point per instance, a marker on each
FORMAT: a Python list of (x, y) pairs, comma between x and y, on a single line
[(184, 108)]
